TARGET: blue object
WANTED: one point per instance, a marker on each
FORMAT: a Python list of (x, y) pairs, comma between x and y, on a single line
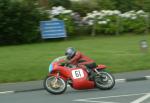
[(52, 29), (50, 67)]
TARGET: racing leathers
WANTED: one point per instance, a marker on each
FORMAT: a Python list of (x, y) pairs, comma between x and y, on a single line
[(83, 61)]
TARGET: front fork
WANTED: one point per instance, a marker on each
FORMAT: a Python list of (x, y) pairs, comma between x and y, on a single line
[(55, 83), (97, 72), (104, 78)]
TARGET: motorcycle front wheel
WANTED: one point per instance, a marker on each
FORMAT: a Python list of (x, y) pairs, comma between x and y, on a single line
[(104, 80), (54, 85)]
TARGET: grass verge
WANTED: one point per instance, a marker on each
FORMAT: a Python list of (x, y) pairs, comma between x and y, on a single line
[(31, 61)]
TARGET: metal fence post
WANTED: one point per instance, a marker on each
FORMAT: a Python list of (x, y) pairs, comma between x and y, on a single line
[(118, 25), (94, 28)]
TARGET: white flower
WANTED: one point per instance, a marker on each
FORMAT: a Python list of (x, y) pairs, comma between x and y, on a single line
[(110, 12), (129, 15), (145, 16), (67, 12), (116, 12), (134, 17), (131, 12), (101, 17), (91, 22), (92, 16), (102, 22), (95, 11), (59, 10), (140, 12)]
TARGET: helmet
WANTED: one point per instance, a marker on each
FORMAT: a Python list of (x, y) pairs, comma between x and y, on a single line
[(70, 52)]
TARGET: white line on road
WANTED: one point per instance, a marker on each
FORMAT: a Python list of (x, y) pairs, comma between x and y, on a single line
[(6, 92), (140, 100), (86, 99), (120, 80), (112, 96), (96, 101), (148, 77)]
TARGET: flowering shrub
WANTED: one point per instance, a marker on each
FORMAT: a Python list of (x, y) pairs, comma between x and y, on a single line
[(104, 21), (109, 21), (133, 21), (63, 14)]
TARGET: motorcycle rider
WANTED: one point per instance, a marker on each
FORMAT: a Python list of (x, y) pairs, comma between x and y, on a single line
[(77, 58)]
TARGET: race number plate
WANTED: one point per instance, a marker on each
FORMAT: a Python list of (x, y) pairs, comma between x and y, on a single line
[(77, 73)]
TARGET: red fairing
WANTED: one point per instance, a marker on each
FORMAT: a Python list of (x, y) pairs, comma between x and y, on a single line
[(80, 79), (101, 66), (78, 76), (64, 71)]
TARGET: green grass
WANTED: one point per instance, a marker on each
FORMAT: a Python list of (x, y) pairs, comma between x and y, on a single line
[(31, 61)]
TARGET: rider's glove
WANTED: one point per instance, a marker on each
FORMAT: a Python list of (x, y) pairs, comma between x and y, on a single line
[(62, 64)]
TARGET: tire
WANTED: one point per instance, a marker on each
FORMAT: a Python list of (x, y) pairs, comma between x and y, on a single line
[(104, 80), (54, 90)]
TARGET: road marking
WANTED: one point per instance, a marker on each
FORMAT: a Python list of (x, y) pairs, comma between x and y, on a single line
[(6, 92), (111, 96), (83, 100), (143, 98), (91, 99), (148, 77), (120, 80)]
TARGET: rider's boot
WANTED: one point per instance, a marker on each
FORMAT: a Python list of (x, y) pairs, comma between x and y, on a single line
[(92, 75)]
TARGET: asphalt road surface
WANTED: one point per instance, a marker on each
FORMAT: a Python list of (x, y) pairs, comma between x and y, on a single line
[(129, 92)]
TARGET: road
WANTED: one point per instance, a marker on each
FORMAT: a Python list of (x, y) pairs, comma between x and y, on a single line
[(128, 92)]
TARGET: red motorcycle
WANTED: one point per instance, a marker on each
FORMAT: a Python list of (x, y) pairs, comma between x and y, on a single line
[(61, 74)]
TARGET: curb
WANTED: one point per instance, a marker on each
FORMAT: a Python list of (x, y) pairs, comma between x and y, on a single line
[(117, 81), (133, 79), (20, 91)]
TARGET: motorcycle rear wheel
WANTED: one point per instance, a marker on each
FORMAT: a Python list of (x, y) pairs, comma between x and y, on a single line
[(55, 88), (104, 80)]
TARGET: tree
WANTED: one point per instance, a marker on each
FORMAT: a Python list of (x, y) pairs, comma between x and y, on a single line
[(125, 5), (19, 21), (91, 5), (105, 4), (83, 9), (64, 3), (143, 4), (44, 3)]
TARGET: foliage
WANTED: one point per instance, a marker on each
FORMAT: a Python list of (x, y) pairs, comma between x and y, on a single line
[(64, 3), (105, 4), (65, 15), (91, 5), (19, 21), (110, 21), (83, 9), (20, 18), (143, 4), (127, 5)]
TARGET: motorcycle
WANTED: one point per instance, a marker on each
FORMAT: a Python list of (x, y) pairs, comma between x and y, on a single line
[(61, 74)]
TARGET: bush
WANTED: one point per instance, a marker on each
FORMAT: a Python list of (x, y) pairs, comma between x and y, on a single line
[(64, 14), (64, 3), (106, 22), (86, 6), (19, 21), (114, 22), (83, 9)]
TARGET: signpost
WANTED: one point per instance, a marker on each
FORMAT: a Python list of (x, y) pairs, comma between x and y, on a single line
[(52, 29)]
